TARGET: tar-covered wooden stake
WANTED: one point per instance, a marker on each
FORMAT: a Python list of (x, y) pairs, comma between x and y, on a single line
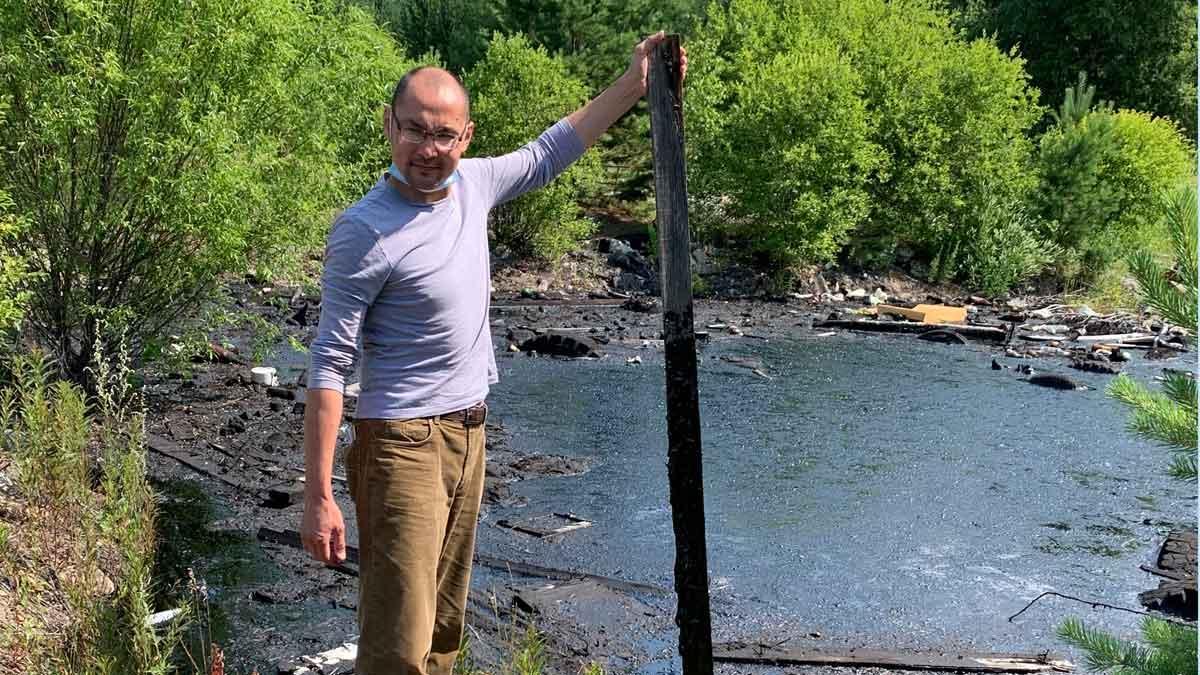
[(684, 467)]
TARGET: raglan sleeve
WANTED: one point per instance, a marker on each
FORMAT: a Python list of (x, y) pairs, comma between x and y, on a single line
[(534, 164)]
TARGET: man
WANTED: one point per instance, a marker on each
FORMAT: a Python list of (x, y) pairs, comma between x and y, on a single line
[(406, 267)]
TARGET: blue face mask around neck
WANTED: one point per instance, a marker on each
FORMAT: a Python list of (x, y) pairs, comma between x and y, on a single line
[(394, 172)]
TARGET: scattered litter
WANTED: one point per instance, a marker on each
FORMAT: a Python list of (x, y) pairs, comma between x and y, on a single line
[(159, 618), (1041, 337), (1048, 328), (264, 375), (634, 360), (337, 660), (1131, 338)]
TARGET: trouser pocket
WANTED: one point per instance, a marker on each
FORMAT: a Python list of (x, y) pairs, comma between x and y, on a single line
[(354, 465)]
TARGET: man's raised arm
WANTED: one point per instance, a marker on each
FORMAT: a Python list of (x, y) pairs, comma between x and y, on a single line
[(594, 118), (537, 163)]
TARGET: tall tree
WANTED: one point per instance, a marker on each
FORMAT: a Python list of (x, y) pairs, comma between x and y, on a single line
[(150, 145), (456, 30), (1139, 55), (595, 36)]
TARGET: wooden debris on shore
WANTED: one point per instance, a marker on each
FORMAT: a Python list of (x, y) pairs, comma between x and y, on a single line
[(341, 659), (774, 655), (1176, 566), (291, 538), (220, 354), (242, 469), (197, 462), (993, 333), (930, 314), (546, 525)]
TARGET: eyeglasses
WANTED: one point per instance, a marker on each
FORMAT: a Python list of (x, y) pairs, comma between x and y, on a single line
[(444, 141)]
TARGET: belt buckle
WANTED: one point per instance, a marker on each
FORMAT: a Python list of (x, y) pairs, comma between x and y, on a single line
[(475, 415)]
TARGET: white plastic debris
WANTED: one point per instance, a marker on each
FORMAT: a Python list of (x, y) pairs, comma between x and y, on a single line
[(159, 618), (264, 375), (332, 661)]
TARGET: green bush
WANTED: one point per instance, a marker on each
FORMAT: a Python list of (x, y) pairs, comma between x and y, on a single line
[(934, 126), (1006, 249), (951, 118), (12, 270), (1102, 179), (517, 92), (788, 146), (152, 145)]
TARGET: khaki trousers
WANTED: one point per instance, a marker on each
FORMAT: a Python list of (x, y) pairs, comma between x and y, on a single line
[(417, 486)]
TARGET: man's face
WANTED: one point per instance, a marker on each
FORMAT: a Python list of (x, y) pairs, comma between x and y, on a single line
[(429, 131)]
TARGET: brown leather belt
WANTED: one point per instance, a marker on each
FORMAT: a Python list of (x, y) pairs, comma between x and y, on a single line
[(468, 417)]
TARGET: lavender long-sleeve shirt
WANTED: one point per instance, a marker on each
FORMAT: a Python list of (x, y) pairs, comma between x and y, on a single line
[(413, 280)]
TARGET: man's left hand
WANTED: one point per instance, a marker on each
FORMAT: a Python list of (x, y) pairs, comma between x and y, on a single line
[(639, 65)]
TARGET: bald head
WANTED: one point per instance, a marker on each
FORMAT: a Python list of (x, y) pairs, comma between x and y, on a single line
[(432, 87), (429, 128)]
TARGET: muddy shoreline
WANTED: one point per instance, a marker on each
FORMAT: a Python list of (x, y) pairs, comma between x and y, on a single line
[(241, 444)]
